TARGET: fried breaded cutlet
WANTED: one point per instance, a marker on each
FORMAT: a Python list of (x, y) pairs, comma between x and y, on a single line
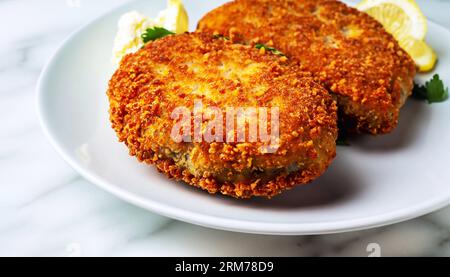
[(176, 71), (346, 50)]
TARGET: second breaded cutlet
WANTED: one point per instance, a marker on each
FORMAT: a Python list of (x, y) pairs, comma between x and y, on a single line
[(346, 50)]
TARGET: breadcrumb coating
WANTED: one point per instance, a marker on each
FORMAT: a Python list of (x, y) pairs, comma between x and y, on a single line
[(346, 50), (176, 70)]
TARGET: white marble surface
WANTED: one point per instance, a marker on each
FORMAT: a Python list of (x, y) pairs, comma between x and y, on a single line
[(47, 209)]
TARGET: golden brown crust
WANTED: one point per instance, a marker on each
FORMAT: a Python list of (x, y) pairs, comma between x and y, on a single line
[(346, 50), (177, 70)]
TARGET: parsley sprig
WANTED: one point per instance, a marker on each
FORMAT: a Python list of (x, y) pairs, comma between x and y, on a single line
[(434, 90), (271, 49), (155, 33)]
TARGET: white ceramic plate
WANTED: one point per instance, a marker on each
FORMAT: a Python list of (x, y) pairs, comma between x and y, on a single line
[(376, 181)]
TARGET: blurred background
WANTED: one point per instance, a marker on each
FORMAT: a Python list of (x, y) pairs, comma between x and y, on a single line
[(47, 209)]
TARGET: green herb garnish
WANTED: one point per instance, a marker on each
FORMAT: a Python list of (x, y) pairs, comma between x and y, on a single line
[(155, 33), (221, 37), (433, 91), (271, 49)]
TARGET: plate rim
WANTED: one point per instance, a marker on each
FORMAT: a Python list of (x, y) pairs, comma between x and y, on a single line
[(243, 226)]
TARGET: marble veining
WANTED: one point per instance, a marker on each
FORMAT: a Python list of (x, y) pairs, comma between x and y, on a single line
[(47, 209)]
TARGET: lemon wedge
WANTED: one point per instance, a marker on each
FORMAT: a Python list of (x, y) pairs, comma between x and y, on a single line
[(406, 22), (174, 18), (424, 57), (401, 18)]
